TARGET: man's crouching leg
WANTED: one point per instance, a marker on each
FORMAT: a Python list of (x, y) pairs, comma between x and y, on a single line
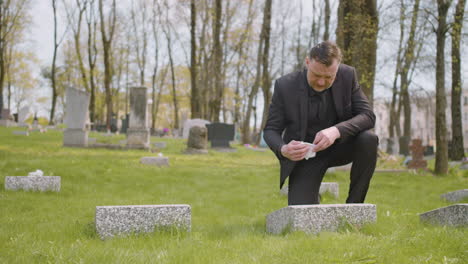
[(364, 161)]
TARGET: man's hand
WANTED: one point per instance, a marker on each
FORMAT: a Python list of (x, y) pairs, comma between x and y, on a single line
[(294, 150), (326, 138)]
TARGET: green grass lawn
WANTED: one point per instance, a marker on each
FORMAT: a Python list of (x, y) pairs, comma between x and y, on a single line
[(230, 195)]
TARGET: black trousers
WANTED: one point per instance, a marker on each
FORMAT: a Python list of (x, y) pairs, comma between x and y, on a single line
[(307, 175)]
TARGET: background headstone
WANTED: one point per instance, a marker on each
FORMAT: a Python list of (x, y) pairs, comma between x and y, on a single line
[(417, 152), (321, 217), (120, 220), (455, 196), (23, 115), (197, 141), (453, 215), (219, 134), (332, 187), (138, 134), (77, 104), (33, 183), (159, 161), (189, 123)]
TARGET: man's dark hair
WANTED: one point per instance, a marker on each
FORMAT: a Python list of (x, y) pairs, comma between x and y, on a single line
[(325, 52)]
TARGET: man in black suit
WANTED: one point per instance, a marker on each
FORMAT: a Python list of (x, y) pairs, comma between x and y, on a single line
[(324, 105)]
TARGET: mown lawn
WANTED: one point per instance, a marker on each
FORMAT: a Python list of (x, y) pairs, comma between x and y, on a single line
[(230, 195)]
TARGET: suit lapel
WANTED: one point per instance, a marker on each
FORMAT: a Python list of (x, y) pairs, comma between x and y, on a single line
[(336, 93)]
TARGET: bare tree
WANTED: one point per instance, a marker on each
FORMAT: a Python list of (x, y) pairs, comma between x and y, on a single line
[(266, 80), (91, 22), (218, 56), (327, 20), (12, 18), (195, 93), (57, 43), (141, 36), (441, 162), (107, 35), (457, 152), (258, 77), (407, 60)]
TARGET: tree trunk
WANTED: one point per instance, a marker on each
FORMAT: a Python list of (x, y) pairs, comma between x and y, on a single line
[(174, 90), (457, 151), (266, 80), (356, 35), (327, 20), (194, 98), (394, 118), (441, 162), (54, 58), (218, 56), (107, 49)]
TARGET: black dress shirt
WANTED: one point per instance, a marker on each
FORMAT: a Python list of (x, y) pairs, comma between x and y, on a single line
[(321, 112)]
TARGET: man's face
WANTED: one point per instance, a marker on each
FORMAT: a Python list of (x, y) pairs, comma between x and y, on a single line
[(319, 76)]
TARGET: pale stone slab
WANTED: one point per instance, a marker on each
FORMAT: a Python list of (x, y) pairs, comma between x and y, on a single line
[(7, 123), (33, 183), (160, 145), (75, 137), (456, 195), (138, 107), (121, 220), (138, 138), (23, 114), (453, 215), (189, 123), (332, 187), (76, 112), (92, 141), (21, 133), (157, 161), (321, 217)]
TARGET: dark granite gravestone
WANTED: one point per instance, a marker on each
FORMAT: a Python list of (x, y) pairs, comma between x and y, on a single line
[(219, 134), (404, 145), (428, 150), (417, 153), (5, 114), (124, 128)]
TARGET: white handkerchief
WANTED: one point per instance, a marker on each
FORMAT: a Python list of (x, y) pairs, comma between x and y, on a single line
[(311, 152)]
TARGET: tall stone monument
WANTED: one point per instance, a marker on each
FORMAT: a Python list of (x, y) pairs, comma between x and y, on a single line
[(417, 153), (138, 134), (23, 115), (76, 112)]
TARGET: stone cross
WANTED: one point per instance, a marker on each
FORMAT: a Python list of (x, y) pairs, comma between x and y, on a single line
[(417, 153)]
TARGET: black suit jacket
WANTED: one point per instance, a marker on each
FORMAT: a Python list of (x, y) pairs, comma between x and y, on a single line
[(287, 117)]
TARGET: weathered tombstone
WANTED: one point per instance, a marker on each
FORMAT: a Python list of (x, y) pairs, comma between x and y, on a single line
[(417, 153), (189, 123), (5, 119), (455, 196), (160, 145), (428, 150), (76, 135), (159, 161), (197, 140), (453, 215), (330, 187), (23, 115), (404, 142), (120, 220), (219, 134), (321, 217), (5, 114), (138, 134), (35, 181), (21, 133)]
